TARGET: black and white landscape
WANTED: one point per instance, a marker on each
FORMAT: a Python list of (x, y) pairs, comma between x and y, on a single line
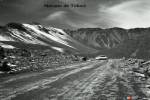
[(74, 50), (46, 63)]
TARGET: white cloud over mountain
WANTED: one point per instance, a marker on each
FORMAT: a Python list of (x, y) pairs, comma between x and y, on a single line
[(130, 14), (127, 14), (97, 13), (56, 15)]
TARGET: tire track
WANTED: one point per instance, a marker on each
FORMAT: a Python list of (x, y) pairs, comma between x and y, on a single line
[(83, 90), (7, 93)]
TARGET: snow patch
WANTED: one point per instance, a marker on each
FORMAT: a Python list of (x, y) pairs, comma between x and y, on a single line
[(8, 46), (25, 37), (5, 38), (58, 49), (58, 30), (53, 34)]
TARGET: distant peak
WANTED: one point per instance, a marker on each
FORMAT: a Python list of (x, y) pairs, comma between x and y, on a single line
[(16, 26), (13, 24)]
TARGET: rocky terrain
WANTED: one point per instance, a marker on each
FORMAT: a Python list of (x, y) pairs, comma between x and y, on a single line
[(46, 63), (113, 79), (115, 42), (36, 36), (22, 60)]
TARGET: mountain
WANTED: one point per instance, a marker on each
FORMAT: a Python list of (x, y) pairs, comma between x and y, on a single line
[(115, 42), (36, 36)]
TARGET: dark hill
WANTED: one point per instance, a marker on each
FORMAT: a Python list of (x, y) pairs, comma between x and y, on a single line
[(116, 42)]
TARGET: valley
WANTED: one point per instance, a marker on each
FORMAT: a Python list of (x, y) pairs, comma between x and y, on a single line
[(46, 63)]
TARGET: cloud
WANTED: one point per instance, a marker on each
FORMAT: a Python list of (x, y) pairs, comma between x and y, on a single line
[(98, 13), (130, 14), (73, 22), (81, 24), (72, 1), (125, 14), (33, 10), (56, 15)]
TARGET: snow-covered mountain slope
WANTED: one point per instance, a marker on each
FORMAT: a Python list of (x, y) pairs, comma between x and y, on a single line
[(19, 35)]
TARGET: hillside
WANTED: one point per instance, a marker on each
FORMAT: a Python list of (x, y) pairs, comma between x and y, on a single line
[(115, 42), (35, 36)]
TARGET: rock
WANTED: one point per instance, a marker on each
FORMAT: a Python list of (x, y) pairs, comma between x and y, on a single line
[(139, 74)]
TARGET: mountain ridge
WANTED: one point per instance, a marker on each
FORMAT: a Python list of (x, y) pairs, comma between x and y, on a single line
[(113, 42), (53, 38)]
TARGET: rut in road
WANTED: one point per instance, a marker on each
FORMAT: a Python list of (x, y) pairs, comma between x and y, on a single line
[(72, 84), (106, 82), (11, 87), (83, 89), (96, 80), (103, 82)]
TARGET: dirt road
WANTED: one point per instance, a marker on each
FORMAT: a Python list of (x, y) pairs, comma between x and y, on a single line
[(91, 80)]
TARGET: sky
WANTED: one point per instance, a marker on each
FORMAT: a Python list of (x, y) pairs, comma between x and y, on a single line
[(97, 13)]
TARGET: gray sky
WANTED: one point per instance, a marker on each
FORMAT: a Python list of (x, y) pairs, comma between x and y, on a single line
[(98, 13)]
